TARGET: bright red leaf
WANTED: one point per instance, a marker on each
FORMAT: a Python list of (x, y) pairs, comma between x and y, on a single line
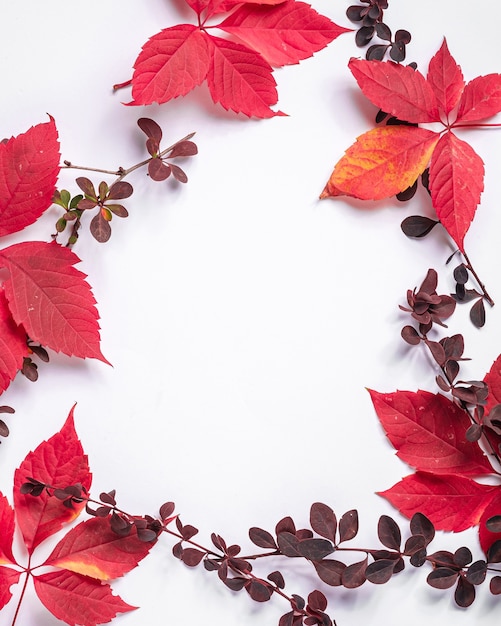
[(456, 171), (397, 89), (29, 167), (273, 32), (8, 577), (282, 34), (60, 461), (451, 502), (7, 531), (428, 432), (77, 599), (93, 549), (446, 79), (13, 346), (241, 80), (487, 538), (51, 299), (456, 182)]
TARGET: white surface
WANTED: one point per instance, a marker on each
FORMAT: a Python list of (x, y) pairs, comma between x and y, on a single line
[(243, 317)]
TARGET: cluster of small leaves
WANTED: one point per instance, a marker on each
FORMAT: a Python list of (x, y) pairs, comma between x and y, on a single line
[(159, 168), (29, 368), (463, 294), (370, 17)]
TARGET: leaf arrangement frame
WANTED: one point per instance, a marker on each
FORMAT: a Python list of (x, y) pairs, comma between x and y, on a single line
[(451, 438)]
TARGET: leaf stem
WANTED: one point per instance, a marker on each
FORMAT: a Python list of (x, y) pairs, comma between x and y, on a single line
[(23, 591), (479, 282)]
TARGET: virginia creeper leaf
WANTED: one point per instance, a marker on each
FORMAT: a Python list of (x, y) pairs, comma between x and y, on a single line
[(13, 346), (241, 80), (481, 98), (222, 6), (446, 79), (8, 577), (29, 167), (428, 432), (450, 502), (493, 381), (60, 461), (170, 64), (397, 89), (51, 298), (282, 34), (93, 549), (382, 162), (7, 531), (456, 182), (77, 599)]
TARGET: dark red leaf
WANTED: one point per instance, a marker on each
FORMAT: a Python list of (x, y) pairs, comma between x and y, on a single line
[(330, 571), (389, 533), (323, 520), (380, 571), (348, 526), (8, 577), (262, 538)]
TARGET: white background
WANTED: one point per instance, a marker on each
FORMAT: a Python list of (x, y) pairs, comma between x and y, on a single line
[(244, 318)]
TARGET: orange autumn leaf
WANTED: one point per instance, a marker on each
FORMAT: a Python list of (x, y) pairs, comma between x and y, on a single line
[(382, 162)]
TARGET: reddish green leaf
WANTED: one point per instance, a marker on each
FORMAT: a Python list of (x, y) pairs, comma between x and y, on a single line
[(51, 298), (29, 167), (428, 432), (397, 89), (170, 65), (446, 79), (382, 162), (8, 577), (13, 346), (60, 462), (481, 98), (450, 502), (456, 182), (241, 80), (93, 549), (6, 532), (77, 599), (282, 34)]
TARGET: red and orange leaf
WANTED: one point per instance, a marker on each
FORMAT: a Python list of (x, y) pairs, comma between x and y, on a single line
[(29, 167), (13, 346), (428, 432), (456, 182), (282, 34), (397, 89), (170, 65), (93, 549), (452, 503), (241, 80), (60, 461), (51, 299), (446, 79), (383, 162), (481, 98), (6, 531), (8, 577), (487, 538), (76, 599)]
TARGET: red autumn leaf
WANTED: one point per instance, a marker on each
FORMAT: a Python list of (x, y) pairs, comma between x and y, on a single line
[(77, 599), (452, 503), (51, 299), (480, 99), (59, 462), (7, 531), (428, 432), (29, 167), (170, 65), (456, 182), (93, 549), (283, 35), (382, 162), (397, 89), (487, 538), (493, 382), (8, 577), (446, 79), (241, 80), (13, 346)]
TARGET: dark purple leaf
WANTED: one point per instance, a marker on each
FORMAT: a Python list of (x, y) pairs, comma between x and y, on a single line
[(462, 557), (442, 578), (285, 525), (236, 584), (323, 521), (258, 591), (348, 526), (192, 556), (183, 149), (417, 226), (476, 572), (389, 532), (465, 593), (100, 228), (317, 601), (315, 549), (178, 173), (380, 572), (288, 544), (158, 170), (477, 313), (410, 335), (120, 190), (150, 128), (262, 538), (330, 571), (495, 585), (277, 579), (354, 574)]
